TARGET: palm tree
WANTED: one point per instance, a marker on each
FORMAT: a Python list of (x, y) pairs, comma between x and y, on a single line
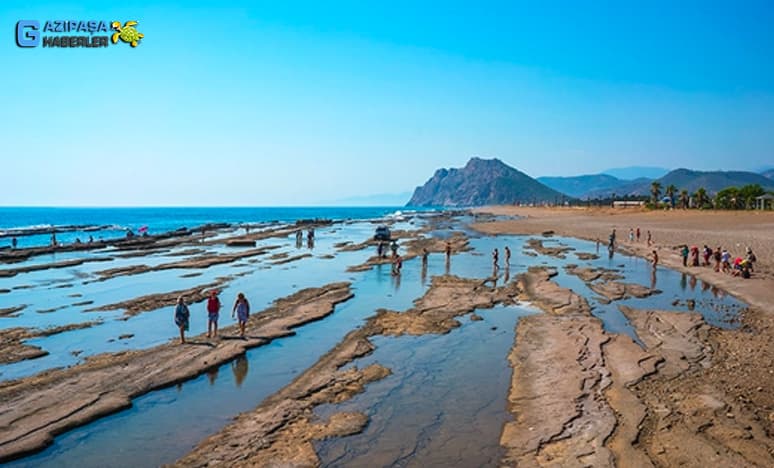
[(684, 199), (701, 197), (670, 192), (655, 191)]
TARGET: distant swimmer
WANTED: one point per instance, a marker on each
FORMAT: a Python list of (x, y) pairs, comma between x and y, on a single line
[(14, 242), (242, 311), (182, 316)]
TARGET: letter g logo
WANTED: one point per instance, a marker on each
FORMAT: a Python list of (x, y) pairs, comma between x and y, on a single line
[(28, 33)]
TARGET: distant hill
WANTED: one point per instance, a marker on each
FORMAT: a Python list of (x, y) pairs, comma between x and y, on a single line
[(637, 172), (768, 174), (482, 182), (712, 181), (580, 186)]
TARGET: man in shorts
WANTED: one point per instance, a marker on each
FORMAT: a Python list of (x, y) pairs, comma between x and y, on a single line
[(213, 310)]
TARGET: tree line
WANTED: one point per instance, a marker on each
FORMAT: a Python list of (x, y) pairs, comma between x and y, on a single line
[(730, 198)]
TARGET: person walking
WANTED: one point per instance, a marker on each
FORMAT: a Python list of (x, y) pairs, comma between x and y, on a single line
[(650, 238), (496, 258), (717, 256), (213, 311), (638, 233), (751, 259), (397, 265), (182, 316), (684, 253), (242, 311), (507, 256)]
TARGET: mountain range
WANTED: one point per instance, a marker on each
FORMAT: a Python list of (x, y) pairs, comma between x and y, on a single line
[(490, 181)]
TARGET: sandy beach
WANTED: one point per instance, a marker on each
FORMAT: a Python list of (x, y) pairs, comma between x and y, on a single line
[(734, 230)]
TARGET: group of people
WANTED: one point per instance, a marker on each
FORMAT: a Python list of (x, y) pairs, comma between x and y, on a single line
[(309, 238), (496, 257), (397, 259), (634, 236), (694, 256), (722, 259), (240, 311)]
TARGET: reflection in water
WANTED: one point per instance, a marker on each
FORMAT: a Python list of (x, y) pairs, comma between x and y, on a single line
[(448, 264), (239, 367), (683, 281), (423, 274), (396, 282), (212, 375), (653, 277), (692, 283), (507, 274)]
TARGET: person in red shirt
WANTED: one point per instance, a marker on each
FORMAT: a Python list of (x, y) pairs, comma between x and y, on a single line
[(213, 310)]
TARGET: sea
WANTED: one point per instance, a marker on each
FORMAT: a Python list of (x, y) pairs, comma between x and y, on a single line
[(113, 223)]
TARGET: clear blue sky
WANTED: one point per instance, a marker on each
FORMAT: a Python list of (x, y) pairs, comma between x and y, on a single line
[(280, 103)]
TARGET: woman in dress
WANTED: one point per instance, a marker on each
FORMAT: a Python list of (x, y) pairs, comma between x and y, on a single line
[(242, 311)]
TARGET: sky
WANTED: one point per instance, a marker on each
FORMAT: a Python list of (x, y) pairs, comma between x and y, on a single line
[(306, 103)]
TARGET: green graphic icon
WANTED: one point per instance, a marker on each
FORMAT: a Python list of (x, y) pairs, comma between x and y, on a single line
[(127, 33)]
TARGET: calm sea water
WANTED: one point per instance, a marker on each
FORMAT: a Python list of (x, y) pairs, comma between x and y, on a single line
[(118, 220)]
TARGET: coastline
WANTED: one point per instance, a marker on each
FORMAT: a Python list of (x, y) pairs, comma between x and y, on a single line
[(616, 384)]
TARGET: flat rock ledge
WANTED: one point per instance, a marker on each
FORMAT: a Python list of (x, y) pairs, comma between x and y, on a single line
[(583, 397), (37, 408)]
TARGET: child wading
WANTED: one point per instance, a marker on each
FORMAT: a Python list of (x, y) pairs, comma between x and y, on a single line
[(181, 317), (213, 308), (242, 311)]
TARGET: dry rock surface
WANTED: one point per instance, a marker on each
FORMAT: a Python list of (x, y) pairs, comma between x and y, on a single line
[(686, 397)]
